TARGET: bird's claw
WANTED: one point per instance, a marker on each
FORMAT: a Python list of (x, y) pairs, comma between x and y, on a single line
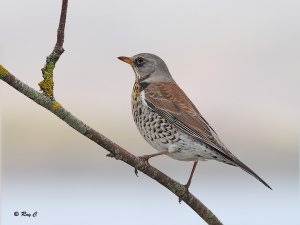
[(180, 199), (111, 155), (136, 172), (143, 159), (184, 194)]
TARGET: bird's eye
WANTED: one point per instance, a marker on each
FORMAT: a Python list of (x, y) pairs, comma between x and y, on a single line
[(139, 61)]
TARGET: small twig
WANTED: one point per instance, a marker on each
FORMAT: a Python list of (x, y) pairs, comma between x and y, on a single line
[(47, 85), (123, 155), (61, 28)]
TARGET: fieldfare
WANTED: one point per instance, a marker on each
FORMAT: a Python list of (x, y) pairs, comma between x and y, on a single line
[(169, 121)]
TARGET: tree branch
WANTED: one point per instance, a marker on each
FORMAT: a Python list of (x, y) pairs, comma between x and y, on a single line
[(47, 101), (47, 85)]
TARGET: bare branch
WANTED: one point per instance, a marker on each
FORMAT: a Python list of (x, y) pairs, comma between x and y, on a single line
[(61, 28), (115, 150), (47, 85)]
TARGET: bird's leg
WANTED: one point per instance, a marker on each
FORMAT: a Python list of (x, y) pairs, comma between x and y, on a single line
[(145, 158), (191, 176), (187, 185)]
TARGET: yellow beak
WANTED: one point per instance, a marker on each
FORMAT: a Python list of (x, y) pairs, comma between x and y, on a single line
[(126, 59)]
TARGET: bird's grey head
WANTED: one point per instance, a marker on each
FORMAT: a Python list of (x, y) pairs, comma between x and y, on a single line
[(148, 68)]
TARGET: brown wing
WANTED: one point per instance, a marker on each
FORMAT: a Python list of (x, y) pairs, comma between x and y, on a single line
[(168, 100)]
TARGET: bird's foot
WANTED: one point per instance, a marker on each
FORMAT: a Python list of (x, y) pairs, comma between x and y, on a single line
[(184, 194), (144, 159), (111, 155)]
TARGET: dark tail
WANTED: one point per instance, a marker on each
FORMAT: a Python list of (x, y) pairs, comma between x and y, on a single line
[(248, 170)]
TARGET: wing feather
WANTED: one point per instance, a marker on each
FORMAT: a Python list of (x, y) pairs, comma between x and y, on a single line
[(168, 100)]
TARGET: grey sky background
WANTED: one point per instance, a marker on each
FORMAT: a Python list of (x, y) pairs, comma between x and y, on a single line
[(238, 61)]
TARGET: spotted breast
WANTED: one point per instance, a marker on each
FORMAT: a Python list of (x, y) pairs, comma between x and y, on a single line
[(162, 135), (155, 129)]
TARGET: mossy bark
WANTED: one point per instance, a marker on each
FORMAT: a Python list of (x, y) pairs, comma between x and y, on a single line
[(3, 72), (47, 85)]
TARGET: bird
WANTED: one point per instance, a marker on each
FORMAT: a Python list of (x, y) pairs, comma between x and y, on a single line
[(170, 122)]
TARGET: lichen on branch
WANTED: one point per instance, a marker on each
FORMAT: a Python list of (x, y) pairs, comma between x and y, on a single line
[(47, 85), (3, 72)]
